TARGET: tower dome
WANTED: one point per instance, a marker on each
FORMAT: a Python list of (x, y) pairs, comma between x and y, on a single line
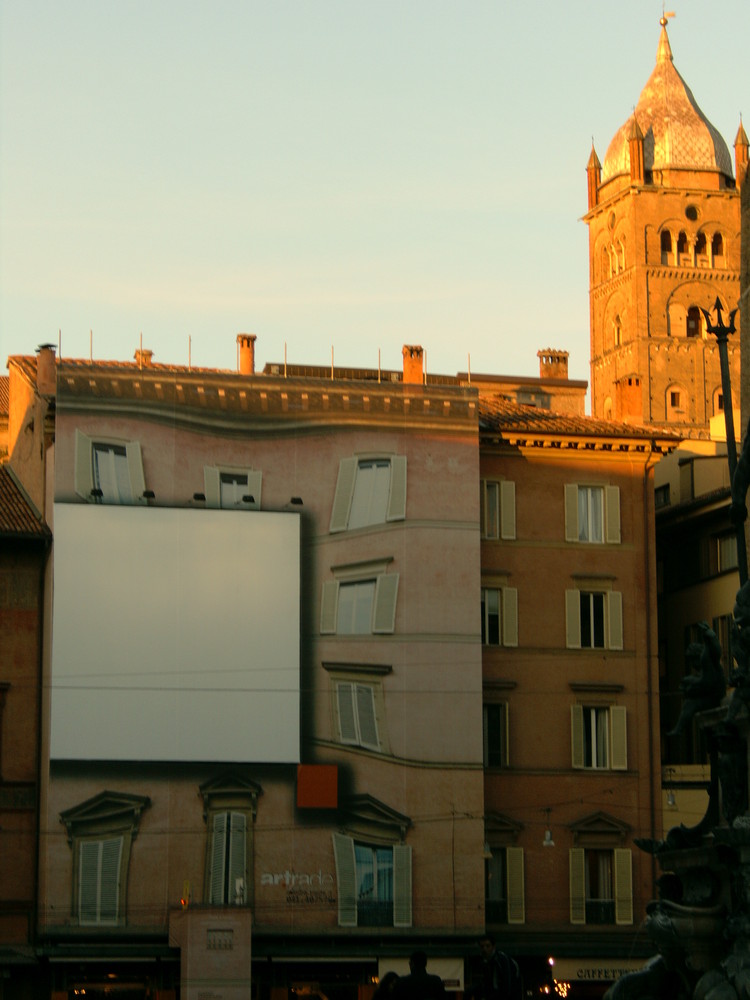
[(677, 135)]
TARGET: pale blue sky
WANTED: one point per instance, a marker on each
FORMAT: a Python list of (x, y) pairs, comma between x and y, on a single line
[(329, 174)]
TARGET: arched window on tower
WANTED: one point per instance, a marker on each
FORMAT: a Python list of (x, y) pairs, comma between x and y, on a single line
[(718, 401), (666, 246), (606, 264), (620, 252), (701, 250), (676, 403), (717, 250), (694, 322), (617, 331), (683, 250)]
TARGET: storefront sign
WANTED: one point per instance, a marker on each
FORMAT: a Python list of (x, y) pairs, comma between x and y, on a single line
[(302, 888), (604, 970)]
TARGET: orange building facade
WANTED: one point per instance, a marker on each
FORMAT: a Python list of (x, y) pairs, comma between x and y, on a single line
[(337, 667)]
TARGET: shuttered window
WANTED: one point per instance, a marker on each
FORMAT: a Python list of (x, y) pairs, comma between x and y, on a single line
[(99, 880), (592, 514), (356, 712), (601, 886), (232, 489), (374, 883), (495, 734), (498, 509), (228, 876), (499, 616), (359, 607), (108, 472), (599, 737), (369, 491), (593, 619)]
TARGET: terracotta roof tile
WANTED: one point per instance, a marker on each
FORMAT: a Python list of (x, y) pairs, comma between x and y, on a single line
[(17, 516), (500, 414)]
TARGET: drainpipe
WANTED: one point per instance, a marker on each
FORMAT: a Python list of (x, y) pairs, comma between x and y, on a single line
[(647, 500)]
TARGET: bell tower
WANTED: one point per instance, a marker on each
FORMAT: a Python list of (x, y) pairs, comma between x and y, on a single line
[(664, 243)]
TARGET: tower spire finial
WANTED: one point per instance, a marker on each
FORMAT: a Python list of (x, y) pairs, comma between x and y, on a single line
[(665, 15)]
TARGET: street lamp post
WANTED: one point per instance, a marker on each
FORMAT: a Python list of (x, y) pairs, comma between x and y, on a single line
[(721, 332)]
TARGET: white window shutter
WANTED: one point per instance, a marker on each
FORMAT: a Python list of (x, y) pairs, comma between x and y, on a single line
[(577, 861), (88, 881), (237, 855), (218, 859), (212, 486), (84, 472), (576, 735), (346, 879), (254, 486), (343, 496), (571, 512), (135, 471), (507, 509), (402, 916), (614, 620), (384, 611), (397, 494), (368, 729), (623, 870), (612, 505), (109, 882), (328, 607), (510, 616), (515, 887), (347, 719), (573, 619), (618, 728)]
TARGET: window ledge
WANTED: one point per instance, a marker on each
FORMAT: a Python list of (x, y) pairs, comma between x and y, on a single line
[(358, 668), (596, 686)]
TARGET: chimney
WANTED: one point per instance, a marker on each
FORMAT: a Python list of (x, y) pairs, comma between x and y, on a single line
[(413, 361), (46, 374), (246, 349), (553, 364), (143, 358)]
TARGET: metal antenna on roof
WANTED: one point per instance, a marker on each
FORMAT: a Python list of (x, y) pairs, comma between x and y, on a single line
[(378, 364)]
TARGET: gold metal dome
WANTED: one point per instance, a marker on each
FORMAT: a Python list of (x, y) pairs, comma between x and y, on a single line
[(676, 133)]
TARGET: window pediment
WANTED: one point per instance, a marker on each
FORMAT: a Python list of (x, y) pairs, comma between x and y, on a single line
[(105, 812), (230, 789), (368, 816), (501, 830), (599, 829)]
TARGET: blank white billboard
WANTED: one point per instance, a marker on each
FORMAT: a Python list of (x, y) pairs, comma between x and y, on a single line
[(175, 635)]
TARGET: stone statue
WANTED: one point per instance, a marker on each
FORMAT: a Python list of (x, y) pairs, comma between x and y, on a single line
[(705, 686)]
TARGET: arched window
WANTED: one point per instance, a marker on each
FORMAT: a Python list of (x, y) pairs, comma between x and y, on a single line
[(666, 246), (676, 403), (606, 264), (718, 401), (617, 331), (683, 251), (717, 246), (694, 322), (701, 250), (620, 253)]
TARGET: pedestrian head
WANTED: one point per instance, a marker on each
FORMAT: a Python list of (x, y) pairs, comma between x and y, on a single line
[(418, 961), (486, 946)]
